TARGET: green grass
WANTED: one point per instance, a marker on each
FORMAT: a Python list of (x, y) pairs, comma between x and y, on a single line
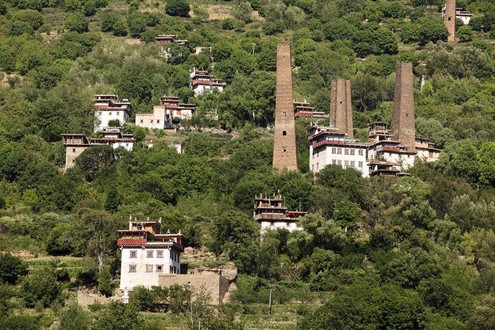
[(72, 264), (254, 316)]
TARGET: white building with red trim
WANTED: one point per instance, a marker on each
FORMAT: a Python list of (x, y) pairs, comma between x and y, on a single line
[(146, 254), (109, 107), (380, 155), (202, 82), (328, 147), (271, 213)]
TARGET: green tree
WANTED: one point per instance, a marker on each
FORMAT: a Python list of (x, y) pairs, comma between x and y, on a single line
[(59, 242), (90, 8), (32, 17), (117, 316), (119, 28), (97, 232), (177, 8), (21, 322), (74, 317), (394, 9), (93, 161), (114, 199), (179, 298), (269, 261), (294, 16), (177, 54), (462, 159), (409, 33), (41, 287), (237, 234), (407, 269), (147, 300), (11, 268), (483, 317), (136, 21), (19, 28), (487, 163), (367, 306), (431, 31), (107, 21), (464, 33), (105, 282), (77, 23), (243, 11)]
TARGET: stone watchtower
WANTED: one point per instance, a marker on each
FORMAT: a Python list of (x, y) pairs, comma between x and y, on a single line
[(341, 107), (449, 18), (284, 144), (403, 129)]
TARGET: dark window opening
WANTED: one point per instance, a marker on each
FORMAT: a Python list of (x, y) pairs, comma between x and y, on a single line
[(284, 133)]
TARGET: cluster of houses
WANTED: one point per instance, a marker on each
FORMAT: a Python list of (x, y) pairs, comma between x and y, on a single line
[(152, 258), (111, 113), (389, 151)]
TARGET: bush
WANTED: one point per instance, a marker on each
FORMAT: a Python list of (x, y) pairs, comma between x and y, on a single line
[(77, 23), (11, 268), (42, 288), (107, 21), (465, 33), (228, 24), (136, 22), (21, 322), (32, 17), (177, 8), (74, 318), (105, 283), (271, 28), (19, 28)]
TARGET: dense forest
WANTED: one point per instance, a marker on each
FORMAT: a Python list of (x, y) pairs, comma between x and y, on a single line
[(415, 252)]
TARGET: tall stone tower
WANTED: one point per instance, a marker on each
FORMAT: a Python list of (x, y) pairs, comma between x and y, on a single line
[(403, 129), (341, 107), (449, 18), (284, 144)]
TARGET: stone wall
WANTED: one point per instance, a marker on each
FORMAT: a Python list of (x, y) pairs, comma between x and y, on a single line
[(214, 283), (71, 153), (284, 144)]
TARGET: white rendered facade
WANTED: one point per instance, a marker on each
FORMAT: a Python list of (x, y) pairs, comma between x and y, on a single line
[(108, 108), (142, 266), (202, 82), (158, 119), (332, 148), (103, 117), (270, 212), (146, 254), (274, 225), (391, 152), (380, 156), (201, 87)]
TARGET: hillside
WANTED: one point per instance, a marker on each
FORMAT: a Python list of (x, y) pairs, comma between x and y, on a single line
[(411, 252)]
